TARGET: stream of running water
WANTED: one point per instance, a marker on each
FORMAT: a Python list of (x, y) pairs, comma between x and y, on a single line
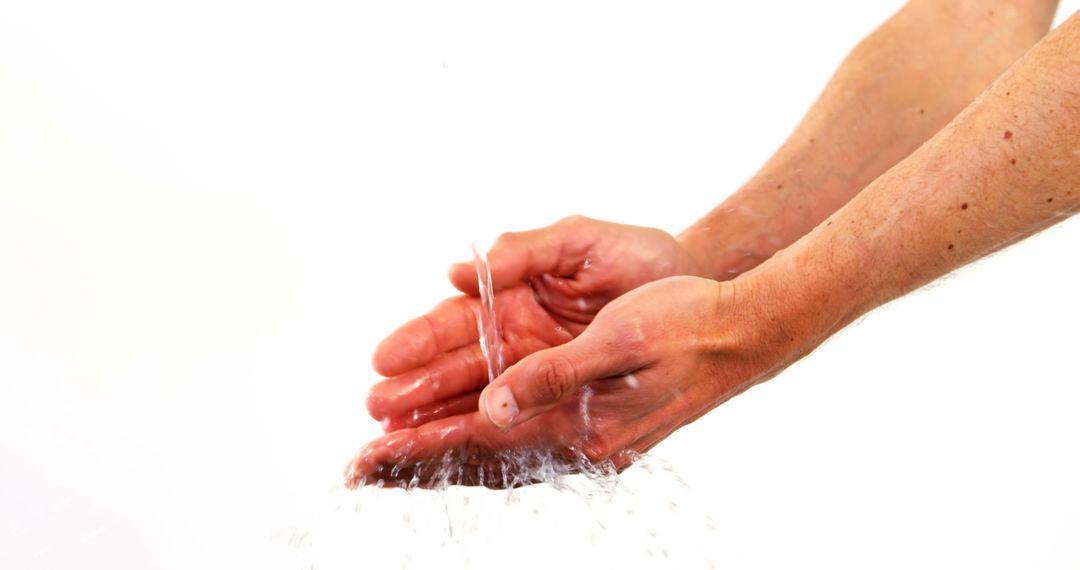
[(487, 321)]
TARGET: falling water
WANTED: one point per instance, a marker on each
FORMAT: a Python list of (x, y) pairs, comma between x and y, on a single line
[(486, 319)]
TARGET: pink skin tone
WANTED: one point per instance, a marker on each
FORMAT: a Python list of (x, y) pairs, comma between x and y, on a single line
[(546, 296), (634, 334), (1004, 168)]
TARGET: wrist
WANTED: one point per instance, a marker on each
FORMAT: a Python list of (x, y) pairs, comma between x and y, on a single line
[(774, 209), (803, 294), (736, 236)]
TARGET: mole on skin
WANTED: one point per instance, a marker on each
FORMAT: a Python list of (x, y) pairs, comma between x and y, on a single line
[(963, 206), (1008, 135)]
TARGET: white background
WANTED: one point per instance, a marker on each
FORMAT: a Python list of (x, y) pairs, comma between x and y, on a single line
[(211, 211)]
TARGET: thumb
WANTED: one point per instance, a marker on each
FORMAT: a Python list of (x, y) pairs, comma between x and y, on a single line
[(559, 249), (543, 379)]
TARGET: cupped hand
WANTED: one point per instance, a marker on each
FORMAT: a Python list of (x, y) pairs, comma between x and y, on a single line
[(550, 284), (652, 361)]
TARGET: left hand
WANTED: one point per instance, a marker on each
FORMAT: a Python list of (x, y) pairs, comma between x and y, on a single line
[(551, 282)]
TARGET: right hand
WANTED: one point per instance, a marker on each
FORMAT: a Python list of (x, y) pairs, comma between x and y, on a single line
[(550, 283)]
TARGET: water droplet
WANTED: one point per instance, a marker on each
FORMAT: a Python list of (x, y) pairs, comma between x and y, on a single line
[(583, 409)]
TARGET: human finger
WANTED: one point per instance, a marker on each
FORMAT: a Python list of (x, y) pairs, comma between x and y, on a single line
[(559, 249), (543, 379), (447, 375), (451, 324), (456, 406)]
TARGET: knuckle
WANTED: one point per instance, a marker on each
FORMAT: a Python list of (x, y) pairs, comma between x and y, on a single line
[(436, 379), (506, 239), (575, 220), (445, 304), (633, 337), (554, 379), (658, 235)]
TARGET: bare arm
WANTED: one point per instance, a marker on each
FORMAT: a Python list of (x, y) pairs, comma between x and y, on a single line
[(897, 88), (662, 355), (1005, 168)]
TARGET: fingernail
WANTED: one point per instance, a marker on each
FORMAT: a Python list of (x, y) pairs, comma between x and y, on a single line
[(501, 407)]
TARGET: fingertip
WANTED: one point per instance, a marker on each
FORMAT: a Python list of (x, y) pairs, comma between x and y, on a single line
[(356, 467), (350, 470), (374, 404), (382, 360), (400, 352), (499, 406), (481, 406), (483, 410), (463, 278), (375, 407)]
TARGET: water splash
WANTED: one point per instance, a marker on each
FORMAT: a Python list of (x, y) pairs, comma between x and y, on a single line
[(583, 410), (646, 515), (449, 513)]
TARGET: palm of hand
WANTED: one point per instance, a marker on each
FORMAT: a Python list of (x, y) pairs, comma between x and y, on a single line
[(437, 366), (434, 364)]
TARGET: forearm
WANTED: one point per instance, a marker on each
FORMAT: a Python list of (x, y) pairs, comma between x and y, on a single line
[(1007, 167), (895, 90)]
